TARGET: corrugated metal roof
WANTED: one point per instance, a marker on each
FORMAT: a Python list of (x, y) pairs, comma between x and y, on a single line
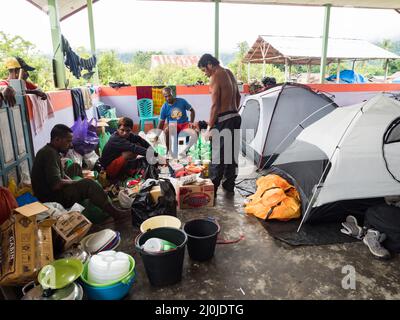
[(376, 4), (179, 60), (66, 8), (304, 50)]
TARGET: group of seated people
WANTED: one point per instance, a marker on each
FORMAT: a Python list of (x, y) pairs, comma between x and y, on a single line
[(51, 182)]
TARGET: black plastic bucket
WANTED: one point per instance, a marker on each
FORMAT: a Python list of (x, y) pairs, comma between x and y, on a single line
[(202, 237), (163, 268)]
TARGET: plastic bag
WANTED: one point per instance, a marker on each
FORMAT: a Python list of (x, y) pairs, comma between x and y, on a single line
[(85, 139), (90, 159), (124, 199), (144, 208), (103, 139), (146, 170), (74, 156)]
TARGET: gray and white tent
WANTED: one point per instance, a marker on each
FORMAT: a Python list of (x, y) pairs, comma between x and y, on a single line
[(350, 156), (272, 119)]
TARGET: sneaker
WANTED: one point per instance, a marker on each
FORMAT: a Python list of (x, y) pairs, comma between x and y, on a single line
[(351, 228), (371, 239)]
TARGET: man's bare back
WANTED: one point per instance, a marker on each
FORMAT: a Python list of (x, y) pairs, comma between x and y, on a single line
[(223, 84)]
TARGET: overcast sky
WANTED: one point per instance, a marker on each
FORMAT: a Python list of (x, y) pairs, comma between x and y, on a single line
[(129, 25)]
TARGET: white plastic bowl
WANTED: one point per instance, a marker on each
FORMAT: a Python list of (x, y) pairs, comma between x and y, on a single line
[(108, 266)]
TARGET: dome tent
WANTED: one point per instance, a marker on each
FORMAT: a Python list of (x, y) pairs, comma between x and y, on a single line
[(272, 119), (346, 159)]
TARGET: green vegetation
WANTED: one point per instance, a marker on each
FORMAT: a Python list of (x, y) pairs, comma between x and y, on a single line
[(135, 68)]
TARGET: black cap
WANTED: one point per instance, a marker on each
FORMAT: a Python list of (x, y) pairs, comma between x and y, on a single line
[(23, 64)]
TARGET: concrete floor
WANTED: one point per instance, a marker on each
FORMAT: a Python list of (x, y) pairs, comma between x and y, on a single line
[(260, 267)]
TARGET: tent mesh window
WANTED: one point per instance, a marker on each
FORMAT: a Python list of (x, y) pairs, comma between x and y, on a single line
[(250, 118), (393, 133)]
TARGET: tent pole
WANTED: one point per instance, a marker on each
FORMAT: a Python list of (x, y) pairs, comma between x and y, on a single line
[(338, 71), (58, 56), (354, 64), (92, 36), (216, 30), (248, 72), (286, 69), (263, 68), (325, 39), (386, 70), (290, 71)]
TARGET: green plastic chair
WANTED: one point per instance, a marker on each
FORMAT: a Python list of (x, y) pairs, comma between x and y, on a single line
[(145, 108)]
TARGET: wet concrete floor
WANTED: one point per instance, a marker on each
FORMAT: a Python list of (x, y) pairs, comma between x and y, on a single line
[(260, 267)]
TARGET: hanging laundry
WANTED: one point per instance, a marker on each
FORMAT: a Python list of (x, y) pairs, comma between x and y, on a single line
[(87, 98), (75, 63), (41, 111), (158, 99), (144, 92), (78, 104)]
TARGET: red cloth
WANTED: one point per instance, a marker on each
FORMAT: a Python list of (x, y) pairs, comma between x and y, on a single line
[(29, 85), (7, 204), (182, 126), (115, 167), (144, 92)]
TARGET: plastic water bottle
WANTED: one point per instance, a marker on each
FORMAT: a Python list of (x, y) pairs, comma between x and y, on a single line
[(157, 245)]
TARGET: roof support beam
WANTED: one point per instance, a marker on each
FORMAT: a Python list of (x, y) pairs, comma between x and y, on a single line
[(92, 35), (325, 38), (338, 71), (386, 70), (216, 30), (58, 56)]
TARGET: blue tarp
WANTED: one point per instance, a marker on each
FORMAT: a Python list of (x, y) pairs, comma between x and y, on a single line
[(348, 76), (397, 80)]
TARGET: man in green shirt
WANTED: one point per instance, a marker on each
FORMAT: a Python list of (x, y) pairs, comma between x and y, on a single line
[(51, 184)]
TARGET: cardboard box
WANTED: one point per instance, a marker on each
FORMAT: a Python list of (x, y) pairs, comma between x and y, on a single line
[(70, 228), (196, 196), (26, 245)]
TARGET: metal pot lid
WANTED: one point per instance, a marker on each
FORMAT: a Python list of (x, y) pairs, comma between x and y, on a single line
[(71, 292), (76, 252)]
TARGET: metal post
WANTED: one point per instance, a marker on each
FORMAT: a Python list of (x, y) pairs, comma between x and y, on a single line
[(248, 72), (325, 39), (286, 69), (264, 68), (290, 71), (338, 71), (58, 56), (386, 70), (354, 64), (92, 36), (216, 37)]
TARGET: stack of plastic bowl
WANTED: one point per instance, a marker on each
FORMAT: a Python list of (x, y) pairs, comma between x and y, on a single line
[(107, 266), (108, 276)]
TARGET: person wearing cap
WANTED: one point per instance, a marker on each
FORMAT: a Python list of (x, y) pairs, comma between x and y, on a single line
[(18, 69)]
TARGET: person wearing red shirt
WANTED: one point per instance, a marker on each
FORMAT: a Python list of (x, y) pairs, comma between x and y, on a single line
[(15, 67)]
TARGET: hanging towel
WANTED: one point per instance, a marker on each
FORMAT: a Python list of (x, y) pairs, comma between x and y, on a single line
[(41, 111), (87, 98), (78, 104), (144, 92), (158, 99)]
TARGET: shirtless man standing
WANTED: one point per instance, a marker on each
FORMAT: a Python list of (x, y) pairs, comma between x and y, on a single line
[(224, 116)]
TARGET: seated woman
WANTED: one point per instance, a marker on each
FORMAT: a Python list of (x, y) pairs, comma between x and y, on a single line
[(120, 153)]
